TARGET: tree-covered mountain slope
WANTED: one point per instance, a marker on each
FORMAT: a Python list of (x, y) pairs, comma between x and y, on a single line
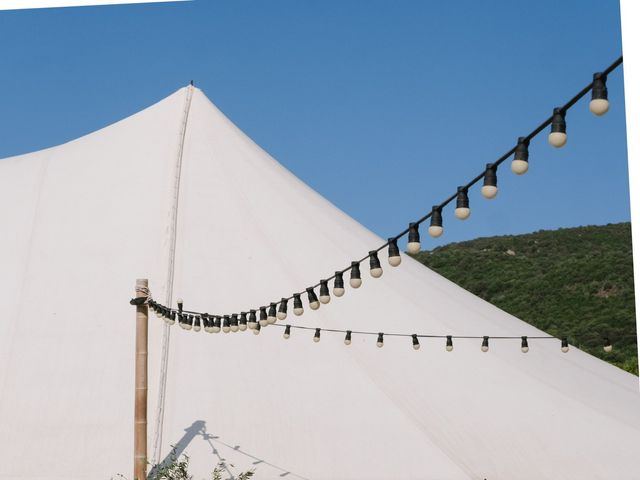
[(576, 282)]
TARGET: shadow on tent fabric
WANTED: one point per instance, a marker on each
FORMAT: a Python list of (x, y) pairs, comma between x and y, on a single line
[(198, 428)]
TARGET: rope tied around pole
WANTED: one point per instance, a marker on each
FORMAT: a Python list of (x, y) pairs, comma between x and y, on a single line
[(143, 296)]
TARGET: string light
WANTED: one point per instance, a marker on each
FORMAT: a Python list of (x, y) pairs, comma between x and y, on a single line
[(355, 281), (599, 104), (271, 316), (462, 210), (216, 325), (212, 325), (558, 135), (314, 304), (297, 305), (282, 310), (435, 226), (449, 346), (413, 245), (324, 292), (205, 323), (242, 324), (374, 264), (226, 326), (520, 163), (490, 183), (234, 323), (264, 318), (394, 252), (338, 284), (252, 323)]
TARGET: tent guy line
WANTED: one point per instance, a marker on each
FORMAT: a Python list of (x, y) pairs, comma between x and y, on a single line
[(599, 105)]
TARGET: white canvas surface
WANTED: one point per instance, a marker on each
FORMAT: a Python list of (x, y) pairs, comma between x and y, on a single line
[(83, 220)]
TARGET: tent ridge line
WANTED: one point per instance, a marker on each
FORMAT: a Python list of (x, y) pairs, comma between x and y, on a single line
[(173, 232)]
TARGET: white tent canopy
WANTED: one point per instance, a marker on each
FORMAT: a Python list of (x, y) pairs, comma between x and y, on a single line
[(83, 220)]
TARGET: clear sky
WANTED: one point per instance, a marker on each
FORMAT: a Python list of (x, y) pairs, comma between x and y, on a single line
[(383, 107)]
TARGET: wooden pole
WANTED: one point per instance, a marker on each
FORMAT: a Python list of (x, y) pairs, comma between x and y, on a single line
[(140, 409)]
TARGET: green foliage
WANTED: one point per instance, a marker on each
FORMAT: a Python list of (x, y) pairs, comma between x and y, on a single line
[(576, 282), (219, 470), (177, 468)]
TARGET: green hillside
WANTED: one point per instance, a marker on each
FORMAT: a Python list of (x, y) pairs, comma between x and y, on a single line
[(576, 282)]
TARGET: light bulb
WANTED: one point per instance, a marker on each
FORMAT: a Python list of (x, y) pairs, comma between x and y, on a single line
[(216, 325), (234, 323), (413, 245), (282, 310), (207, 323), (226, 326), (394, 252), (264, 318), (180, 304), (355, 281), (485, 344), (564, 346), (253, 322), (415, 342), (316, 336), (297, 305), (189, 323), (558, 135), (374, 264), (524, 346), (607, 345), (449, 346), (380, 341), (287, 332), (520, 162), (324, 292), (314, 304), (271, 316), (490, 183), (242, 323), (196, 324), (599, 104), (435, 227), (347, 338), (462, 211), (256, 331), (338, 285), (171, 320)]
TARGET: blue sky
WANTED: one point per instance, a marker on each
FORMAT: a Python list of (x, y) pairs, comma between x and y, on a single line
[(382, 107)]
